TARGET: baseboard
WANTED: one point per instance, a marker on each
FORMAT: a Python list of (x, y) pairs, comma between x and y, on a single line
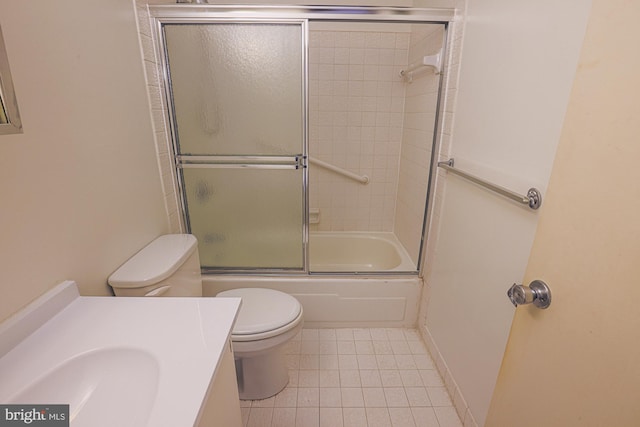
[(464, 413)]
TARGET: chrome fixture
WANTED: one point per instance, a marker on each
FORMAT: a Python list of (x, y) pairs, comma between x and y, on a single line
[(255, 162), (533, 199), (537, 293), (429, 61)]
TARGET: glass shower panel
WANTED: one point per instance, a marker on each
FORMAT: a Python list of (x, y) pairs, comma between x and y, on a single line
[(237, 93), (246, 218), (369, 120), (237, 88)]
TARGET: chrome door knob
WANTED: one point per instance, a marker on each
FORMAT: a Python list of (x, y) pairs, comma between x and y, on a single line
[(537, 293), (520, 295)]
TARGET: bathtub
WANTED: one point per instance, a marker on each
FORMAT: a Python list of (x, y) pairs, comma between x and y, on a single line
[(339, 301), (357, 251)]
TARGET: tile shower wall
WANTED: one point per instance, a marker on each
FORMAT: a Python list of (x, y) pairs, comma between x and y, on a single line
[(356, 104), (419, 121), (158, 116)]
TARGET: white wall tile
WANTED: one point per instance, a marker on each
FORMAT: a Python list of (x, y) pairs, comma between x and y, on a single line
[(416, 151), (362, 84)]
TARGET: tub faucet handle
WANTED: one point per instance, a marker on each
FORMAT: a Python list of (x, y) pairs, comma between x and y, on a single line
[(537, 293)]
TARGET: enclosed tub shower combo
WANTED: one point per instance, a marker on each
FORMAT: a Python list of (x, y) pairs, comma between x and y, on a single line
[(304, 141)]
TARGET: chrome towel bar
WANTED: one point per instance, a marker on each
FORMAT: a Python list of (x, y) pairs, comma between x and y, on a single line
[(533, 199)]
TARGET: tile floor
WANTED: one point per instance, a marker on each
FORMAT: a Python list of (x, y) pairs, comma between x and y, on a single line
[(356, 378)]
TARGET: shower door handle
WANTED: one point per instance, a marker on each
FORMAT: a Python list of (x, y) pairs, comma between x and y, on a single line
[(295, 161), (301, 161), (537, 293)]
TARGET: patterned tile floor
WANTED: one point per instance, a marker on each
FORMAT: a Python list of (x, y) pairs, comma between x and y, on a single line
[(356, 378)]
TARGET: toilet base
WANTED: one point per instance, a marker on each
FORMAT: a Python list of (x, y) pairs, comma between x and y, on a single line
[(263, 375)]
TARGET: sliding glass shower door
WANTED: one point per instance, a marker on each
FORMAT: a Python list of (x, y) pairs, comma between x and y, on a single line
[(237, 90)]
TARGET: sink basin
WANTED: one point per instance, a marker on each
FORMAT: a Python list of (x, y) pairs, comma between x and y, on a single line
[(127, 378), (117, 361)]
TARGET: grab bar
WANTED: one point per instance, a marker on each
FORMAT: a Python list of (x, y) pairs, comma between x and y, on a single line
[(364, 179), (533, 199)]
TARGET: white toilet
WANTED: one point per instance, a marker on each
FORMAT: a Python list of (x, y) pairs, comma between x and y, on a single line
[(170, 266)]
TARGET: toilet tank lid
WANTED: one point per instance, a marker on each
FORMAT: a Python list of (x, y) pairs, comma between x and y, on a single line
[(155, 262)]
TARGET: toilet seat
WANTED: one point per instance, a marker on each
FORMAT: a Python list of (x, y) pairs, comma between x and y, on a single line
[(264, 313)]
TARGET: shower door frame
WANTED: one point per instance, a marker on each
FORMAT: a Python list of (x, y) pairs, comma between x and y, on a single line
[(205, 13)]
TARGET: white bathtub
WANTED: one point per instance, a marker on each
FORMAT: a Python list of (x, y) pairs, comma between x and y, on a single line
[(337, 301), (357, 251), (344, 301)]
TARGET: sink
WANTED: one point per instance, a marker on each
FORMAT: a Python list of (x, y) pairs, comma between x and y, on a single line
[(126, 362), (127, 378)]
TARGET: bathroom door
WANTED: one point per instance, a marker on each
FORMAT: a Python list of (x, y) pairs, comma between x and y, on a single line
[(576, 363), (238, 102)]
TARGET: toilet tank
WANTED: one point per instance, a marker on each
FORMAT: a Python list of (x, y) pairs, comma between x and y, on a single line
[(169, 266)]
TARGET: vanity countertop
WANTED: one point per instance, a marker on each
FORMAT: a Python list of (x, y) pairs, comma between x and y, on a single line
[(134, 361)]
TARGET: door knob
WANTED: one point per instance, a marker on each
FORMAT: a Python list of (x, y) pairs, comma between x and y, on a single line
[(537, 293)]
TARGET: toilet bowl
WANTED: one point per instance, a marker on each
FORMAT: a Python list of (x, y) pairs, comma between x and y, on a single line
[(268, 319)]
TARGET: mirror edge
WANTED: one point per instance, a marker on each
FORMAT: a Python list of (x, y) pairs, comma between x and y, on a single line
[(8, 99)]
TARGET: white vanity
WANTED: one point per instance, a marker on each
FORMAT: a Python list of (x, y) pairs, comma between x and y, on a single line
[(123, 361)]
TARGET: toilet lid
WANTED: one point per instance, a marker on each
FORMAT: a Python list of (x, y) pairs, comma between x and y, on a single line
[(262, 310)]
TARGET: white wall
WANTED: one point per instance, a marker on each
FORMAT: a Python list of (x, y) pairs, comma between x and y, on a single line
[(517, 66), (80, 187)]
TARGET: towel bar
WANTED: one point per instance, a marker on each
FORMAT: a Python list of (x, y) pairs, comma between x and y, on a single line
[(533, 198)]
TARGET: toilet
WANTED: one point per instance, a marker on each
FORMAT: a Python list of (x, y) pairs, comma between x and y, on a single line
[(268, 319)]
